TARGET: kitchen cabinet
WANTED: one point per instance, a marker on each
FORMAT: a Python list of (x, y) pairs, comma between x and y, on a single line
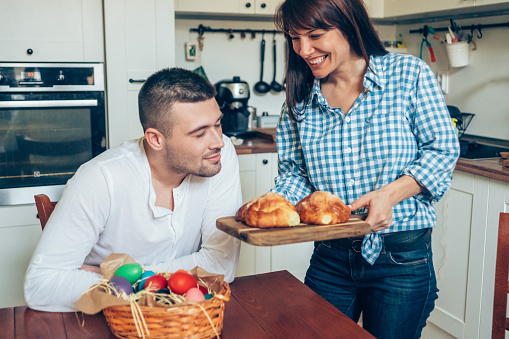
[(375, 8), (257, 173), (403, 7), (464, 247), (259, 7), (439, 5), (140, 39), (54, 31), (20, 232)]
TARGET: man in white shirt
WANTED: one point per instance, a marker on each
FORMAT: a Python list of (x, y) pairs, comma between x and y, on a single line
[(156, 199)]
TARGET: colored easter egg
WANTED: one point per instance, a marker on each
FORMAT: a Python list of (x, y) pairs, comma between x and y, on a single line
[(132, 272), (181, 282), (143, 278), (203, 289), (155, 282), (120, 284), (194, 294), (208, 296)]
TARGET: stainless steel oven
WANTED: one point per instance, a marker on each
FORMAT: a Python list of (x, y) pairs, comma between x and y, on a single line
[(52, 120)]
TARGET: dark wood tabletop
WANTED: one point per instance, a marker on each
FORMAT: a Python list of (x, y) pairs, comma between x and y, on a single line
[(270, 305)]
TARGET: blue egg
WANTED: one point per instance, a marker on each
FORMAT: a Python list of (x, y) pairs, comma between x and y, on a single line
[(143, 278), (120, 284), (208, 296)]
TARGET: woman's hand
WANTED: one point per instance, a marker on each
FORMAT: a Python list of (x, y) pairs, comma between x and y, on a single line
[(380, 202), (91, 268), (380, 209)]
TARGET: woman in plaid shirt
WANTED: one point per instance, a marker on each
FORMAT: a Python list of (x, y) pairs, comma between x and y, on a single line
[(374, 129)]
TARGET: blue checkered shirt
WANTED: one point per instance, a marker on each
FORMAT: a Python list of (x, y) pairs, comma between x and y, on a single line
[(399, 125)]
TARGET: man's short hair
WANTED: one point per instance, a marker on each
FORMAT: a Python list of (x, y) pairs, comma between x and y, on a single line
[(166, 87)]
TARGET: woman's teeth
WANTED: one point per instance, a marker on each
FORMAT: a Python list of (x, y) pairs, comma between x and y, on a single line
[(317, 61)]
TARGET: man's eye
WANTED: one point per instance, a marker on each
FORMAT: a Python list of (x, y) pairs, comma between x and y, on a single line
[(200, 135)]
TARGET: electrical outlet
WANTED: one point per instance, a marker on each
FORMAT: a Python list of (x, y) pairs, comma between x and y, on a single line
[(191, 51), (443, 80)]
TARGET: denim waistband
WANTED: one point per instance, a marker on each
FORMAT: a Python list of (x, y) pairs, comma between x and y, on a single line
[(393, 242)]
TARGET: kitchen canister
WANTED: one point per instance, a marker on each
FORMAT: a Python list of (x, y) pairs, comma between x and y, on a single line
[(457, 53)]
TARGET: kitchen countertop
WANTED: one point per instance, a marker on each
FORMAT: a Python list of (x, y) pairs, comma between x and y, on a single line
[(490, 167), (264, 142)]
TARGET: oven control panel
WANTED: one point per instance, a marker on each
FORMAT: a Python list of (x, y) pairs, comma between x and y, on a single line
[(38, 76)]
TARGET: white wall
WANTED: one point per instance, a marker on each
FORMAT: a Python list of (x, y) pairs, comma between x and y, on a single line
[(223, 58), (482, 87)]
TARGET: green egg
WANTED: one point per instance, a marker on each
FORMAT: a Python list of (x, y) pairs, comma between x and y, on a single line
[(132, 272)]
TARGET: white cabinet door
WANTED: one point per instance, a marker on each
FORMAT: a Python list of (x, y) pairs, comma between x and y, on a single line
[(208, 6), (403, 7), (439, 5), (140, 39), (375, 8), (20, 231), (257, 173), (464, 250), (55, 31)]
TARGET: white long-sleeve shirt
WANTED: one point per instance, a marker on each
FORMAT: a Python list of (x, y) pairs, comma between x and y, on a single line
[(109, 207)]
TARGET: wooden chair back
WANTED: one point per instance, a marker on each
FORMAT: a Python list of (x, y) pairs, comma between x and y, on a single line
[(500, 319), (44, 208)]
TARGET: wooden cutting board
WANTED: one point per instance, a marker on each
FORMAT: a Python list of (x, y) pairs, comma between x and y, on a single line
[(354, 227)]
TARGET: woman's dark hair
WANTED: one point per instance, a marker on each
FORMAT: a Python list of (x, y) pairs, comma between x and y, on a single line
[(349, 16), (166, 87)]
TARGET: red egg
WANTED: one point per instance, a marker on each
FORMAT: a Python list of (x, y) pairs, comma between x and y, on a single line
[(203, 289), (181, 282), (155, 282)]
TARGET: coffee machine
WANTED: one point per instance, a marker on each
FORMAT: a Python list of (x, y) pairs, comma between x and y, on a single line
[(232, 97)]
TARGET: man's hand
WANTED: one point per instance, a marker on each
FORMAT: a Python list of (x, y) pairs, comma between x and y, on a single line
[(380, 202), (90, 268)]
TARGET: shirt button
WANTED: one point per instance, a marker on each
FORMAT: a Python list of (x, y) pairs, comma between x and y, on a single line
[(347, 119), (37, 259), (351, 182), (348, 150)]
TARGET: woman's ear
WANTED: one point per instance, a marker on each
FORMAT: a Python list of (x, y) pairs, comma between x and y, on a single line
[(155, 139)]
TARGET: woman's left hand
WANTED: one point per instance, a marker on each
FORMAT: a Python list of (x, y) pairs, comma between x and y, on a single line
[(380, 209), (380, 202)]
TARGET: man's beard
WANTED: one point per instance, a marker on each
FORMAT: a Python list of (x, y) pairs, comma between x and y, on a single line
[(187, 165)]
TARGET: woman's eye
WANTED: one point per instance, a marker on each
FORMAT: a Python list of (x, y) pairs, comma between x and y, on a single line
[(316, 36), (294, 38)]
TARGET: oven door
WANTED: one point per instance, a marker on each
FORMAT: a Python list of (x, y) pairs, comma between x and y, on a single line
[(44, 138)]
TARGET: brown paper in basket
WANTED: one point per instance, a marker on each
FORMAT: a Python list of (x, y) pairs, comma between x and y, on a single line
[(96, 299)]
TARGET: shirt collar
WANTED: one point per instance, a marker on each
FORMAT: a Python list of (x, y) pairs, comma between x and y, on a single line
[(372, 79)]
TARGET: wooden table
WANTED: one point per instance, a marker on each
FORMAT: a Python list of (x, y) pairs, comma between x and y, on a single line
[(271, 305)]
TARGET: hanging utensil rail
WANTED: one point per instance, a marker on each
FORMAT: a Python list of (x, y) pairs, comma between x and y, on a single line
[(466, 27), (206, 29)]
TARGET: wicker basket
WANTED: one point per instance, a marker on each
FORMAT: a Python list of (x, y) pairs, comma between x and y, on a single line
[(187, 321)]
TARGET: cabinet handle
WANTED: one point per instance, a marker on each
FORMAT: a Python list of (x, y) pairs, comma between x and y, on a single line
[(263, 5), (30, 51), (265, 161), (132, 81), (248, 4)]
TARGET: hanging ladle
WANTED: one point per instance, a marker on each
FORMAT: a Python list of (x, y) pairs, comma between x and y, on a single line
[(261, 86), (274, 85)]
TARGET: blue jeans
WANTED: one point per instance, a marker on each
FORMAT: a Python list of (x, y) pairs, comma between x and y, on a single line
[(395, 295)]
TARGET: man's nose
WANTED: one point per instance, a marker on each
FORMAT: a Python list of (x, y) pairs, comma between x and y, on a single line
[(217, 138)]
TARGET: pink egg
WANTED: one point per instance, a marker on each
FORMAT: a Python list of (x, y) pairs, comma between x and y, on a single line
[(194, 294)]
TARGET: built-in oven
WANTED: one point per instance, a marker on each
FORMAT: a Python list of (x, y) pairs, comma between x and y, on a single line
[(52, 120)]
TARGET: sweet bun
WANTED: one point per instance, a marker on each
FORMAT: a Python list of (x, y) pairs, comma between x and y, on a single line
[(323, 208), (268, 210)]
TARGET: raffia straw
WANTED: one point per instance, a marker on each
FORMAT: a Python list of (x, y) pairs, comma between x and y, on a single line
[(210, 320), (82, 323), (138, 318)]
